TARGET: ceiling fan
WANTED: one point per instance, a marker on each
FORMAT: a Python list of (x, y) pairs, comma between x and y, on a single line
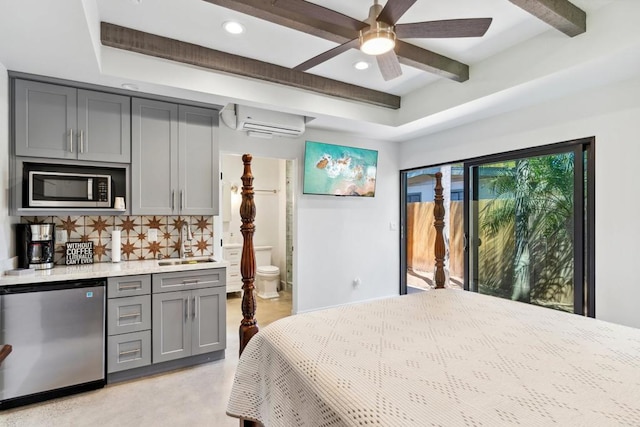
[(378, 34)]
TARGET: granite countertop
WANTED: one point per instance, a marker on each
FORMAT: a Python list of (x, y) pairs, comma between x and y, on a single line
[(105, 269)]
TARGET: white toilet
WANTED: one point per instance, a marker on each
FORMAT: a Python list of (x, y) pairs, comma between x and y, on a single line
[(267, 275)]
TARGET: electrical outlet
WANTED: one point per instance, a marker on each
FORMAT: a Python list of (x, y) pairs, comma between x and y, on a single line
[(61, 236), (152, 235)]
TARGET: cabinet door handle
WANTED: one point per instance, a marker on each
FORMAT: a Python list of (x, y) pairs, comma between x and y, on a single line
[(186, 309), (173, 199), (181, 200), (123, 353), (81, 142), (128, 287), (190, 282), (71, 140), (195, 309)]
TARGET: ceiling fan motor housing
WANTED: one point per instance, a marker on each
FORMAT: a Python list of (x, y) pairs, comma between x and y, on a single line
[(379, 37)]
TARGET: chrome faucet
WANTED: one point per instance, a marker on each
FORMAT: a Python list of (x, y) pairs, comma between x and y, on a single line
[(186, 251)]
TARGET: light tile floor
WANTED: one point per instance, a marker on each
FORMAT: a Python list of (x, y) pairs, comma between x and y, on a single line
[(192, 397)]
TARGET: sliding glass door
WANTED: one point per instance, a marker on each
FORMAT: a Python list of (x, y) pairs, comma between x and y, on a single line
[(518, 225), (418, 248), (528, 228)]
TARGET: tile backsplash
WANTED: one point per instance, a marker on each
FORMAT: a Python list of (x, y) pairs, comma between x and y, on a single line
[(135, 243)]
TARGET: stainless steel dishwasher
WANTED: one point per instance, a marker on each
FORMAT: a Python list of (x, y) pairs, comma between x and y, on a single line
[(57, 331)]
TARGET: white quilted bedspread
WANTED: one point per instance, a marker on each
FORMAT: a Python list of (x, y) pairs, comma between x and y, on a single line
[(440, 358)]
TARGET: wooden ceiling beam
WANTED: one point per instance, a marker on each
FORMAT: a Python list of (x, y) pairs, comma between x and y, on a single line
[(560, 14), (162, 47), (299, 15), (431, 62), (338, 28)]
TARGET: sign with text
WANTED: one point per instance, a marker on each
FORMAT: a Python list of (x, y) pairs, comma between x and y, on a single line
[(78, 253)]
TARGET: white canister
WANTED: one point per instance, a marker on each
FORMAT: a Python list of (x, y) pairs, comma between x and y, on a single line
[(115, 246), (119, 204)]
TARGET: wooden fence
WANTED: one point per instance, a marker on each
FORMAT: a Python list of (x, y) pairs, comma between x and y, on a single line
[(421, 236)]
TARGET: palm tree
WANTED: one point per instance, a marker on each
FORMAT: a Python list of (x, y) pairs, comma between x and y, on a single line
[(532, 209)]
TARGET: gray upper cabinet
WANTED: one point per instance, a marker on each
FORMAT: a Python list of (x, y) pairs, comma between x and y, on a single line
[(62, 122), (198, 161), (175, 165), (45, 120), (154, 157), (104, 126)]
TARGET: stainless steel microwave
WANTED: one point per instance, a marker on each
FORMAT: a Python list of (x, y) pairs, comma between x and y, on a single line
[(62, 190), (69, 186)]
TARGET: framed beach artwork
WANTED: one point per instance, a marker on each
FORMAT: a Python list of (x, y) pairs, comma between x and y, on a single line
[(337, 170)]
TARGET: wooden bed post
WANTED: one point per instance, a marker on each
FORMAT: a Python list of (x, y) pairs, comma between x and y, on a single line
[(249, 325), (438, 213)]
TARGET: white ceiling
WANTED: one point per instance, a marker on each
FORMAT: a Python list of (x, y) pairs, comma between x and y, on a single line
[(61, 39), (199, 22)]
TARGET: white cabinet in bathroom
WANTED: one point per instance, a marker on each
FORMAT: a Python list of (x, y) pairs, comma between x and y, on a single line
[(232, 254)]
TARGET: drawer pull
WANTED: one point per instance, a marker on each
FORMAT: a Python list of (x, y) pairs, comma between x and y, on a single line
[(128, 287), (190, 282), (124, 316), (124, 353)]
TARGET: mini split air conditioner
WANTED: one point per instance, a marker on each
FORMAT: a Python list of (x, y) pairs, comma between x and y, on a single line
[(262, 123)]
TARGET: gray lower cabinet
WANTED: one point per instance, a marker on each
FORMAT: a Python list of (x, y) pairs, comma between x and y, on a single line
[(128, 322), (189, 314), (175, 165), (128, 351), (62, 122), (157, 318)]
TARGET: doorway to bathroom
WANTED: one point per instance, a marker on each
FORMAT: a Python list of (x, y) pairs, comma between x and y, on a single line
[(274, 192)]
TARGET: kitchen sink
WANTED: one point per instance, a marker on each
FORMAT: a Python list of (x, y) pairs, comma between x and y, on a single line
[(185, 261)]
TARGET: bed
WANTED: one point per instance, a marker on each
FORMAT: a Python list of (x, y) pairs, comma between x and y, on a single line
[(442, 357)]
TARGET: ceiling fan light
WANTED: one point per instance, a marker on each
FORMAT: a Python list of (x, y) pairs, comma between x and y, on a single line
[(377, 39)]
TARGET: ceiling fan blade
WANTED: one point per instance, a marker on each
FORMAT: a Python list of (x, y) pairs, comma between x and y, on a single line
[(389, 65), (325, 56), (450, 28), (394, 9)]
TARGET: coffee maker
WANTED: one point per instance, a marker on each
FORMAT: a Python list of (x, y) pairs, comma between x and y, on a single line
[(35, 245)]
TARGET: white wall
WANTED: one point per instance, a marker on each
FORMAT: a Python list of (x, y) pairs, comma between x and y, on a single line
[(612, 115), (336, 239), (7, 239)]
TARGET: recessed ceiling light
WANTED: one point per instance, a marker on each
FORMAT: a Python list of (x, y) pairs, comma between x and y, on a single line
[(129, 86), (233, 27), (361, 65)]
